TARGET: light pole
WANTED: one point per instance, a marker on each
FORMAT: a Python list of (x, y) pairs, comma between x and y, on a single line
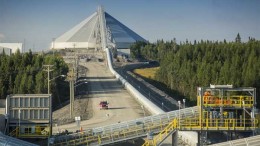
[(251, 114), (72, 88), (19, 121), (79, 84), (244, 113), (162, 105), (184, 103), (6, 124), (49, 80), (179, 102)]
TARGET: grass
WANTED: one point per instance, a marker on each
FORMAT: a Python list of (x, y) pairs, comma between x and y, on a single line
[(147, 72)]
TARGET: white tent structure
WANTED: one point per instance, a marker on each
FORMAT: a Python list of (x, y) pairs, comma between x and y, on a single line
[(100, 30)]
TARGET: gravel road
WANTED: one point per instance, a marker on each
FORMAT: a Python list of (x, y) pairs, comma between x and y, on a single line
[(102, 85)]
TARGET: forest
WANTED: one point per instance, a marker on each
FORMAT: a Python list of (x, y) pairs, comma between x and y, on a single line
[(186, 66), (23, 73)]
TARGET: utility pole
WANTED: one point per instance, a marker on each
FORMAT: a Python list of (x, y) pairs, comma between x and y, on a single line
[(75, 60), (23, 49), (75, 68), (71, 79), (48, 69), (53, 42)]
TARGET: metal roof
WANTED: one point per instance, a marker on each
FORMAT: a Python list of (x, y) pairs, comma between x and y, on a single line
[(86, 34)]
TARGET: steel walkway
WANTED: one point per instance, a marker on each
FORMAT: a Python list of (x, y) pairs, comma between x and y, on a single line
[(193, 124), (185, 119), (126, 130), (249, 141)]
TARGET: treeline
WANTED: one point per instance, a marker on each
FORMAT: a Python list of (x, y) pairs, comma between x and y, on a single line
[(24, 74), (186, 66)]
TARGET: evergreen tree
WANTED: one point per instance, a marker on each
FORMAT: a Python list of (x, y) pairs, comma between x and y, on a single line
[(23, 74), (238, 38), (204, 63)]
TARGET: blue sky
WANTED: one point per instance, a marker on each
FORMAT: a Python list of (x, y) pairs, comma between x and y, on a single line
[(37, 22)]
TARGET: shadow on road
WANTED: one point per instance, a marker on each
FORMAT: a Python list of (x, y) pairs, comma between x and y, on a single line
[(112, 108), (112, 77)]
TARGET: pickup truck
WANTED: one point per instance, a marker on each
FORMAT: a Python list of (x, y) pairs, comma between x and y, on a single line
[(103, 105)]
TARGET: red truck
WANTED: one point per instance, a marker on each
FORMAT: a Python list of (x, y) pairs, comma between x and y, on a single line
[(103, 105)]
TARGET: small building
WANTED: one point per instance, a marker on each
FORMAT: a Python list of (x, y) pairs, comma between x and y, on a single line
[(10, 48), (29, 115), (7, 51)]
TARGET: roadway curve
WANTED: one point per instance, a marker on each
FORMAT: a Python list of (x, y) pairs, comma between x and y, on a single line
[(158, 97)]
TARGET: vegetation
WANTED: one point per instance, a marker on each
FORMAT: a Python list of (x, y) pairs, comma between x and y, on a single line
[(24, 74), (186, 66), (147, 72)]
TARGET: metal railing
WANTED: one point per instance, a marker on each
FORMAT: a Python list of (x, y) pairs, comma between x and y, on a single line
[(28, 132), (125, 130), (250, 141), (226, 101), (163, 134), (186, 119), (193, 124), (14, 132), (6, 140)]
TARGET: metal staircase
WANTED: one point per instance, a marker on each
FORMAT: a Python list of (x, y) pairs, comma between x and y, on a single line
[(168, 130), (14, 133)]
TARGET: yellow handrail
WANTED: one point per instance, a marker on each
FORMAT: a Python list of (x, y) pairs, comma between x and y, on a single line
[(235, 101), (172, 125), (14, 132)]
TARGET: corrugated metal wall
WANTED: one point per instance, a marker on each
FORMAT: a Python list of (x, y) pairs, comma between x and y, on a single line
[(30, 107)]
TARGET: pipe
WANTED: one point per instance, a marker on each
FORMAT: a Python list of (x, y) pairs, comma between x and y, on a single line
[(10, 141), (141, 98)]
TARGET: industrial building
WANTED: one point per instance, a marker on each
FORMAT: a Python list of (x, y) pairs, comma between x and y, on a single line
[(10, 48), (98, 29), (29, 115)]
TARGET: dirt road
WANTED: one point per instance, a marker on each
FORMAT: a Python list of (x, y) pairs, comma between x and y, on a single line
[(101, 86)]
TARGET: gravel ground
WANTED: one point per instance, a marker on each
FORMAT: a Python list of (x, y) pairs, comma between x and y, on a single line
[(102, 85), (81, 108), (85, 106)]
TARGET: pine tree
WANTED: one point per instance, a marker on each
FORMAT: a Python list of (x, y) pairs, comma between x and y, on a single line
[(238, 38)]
